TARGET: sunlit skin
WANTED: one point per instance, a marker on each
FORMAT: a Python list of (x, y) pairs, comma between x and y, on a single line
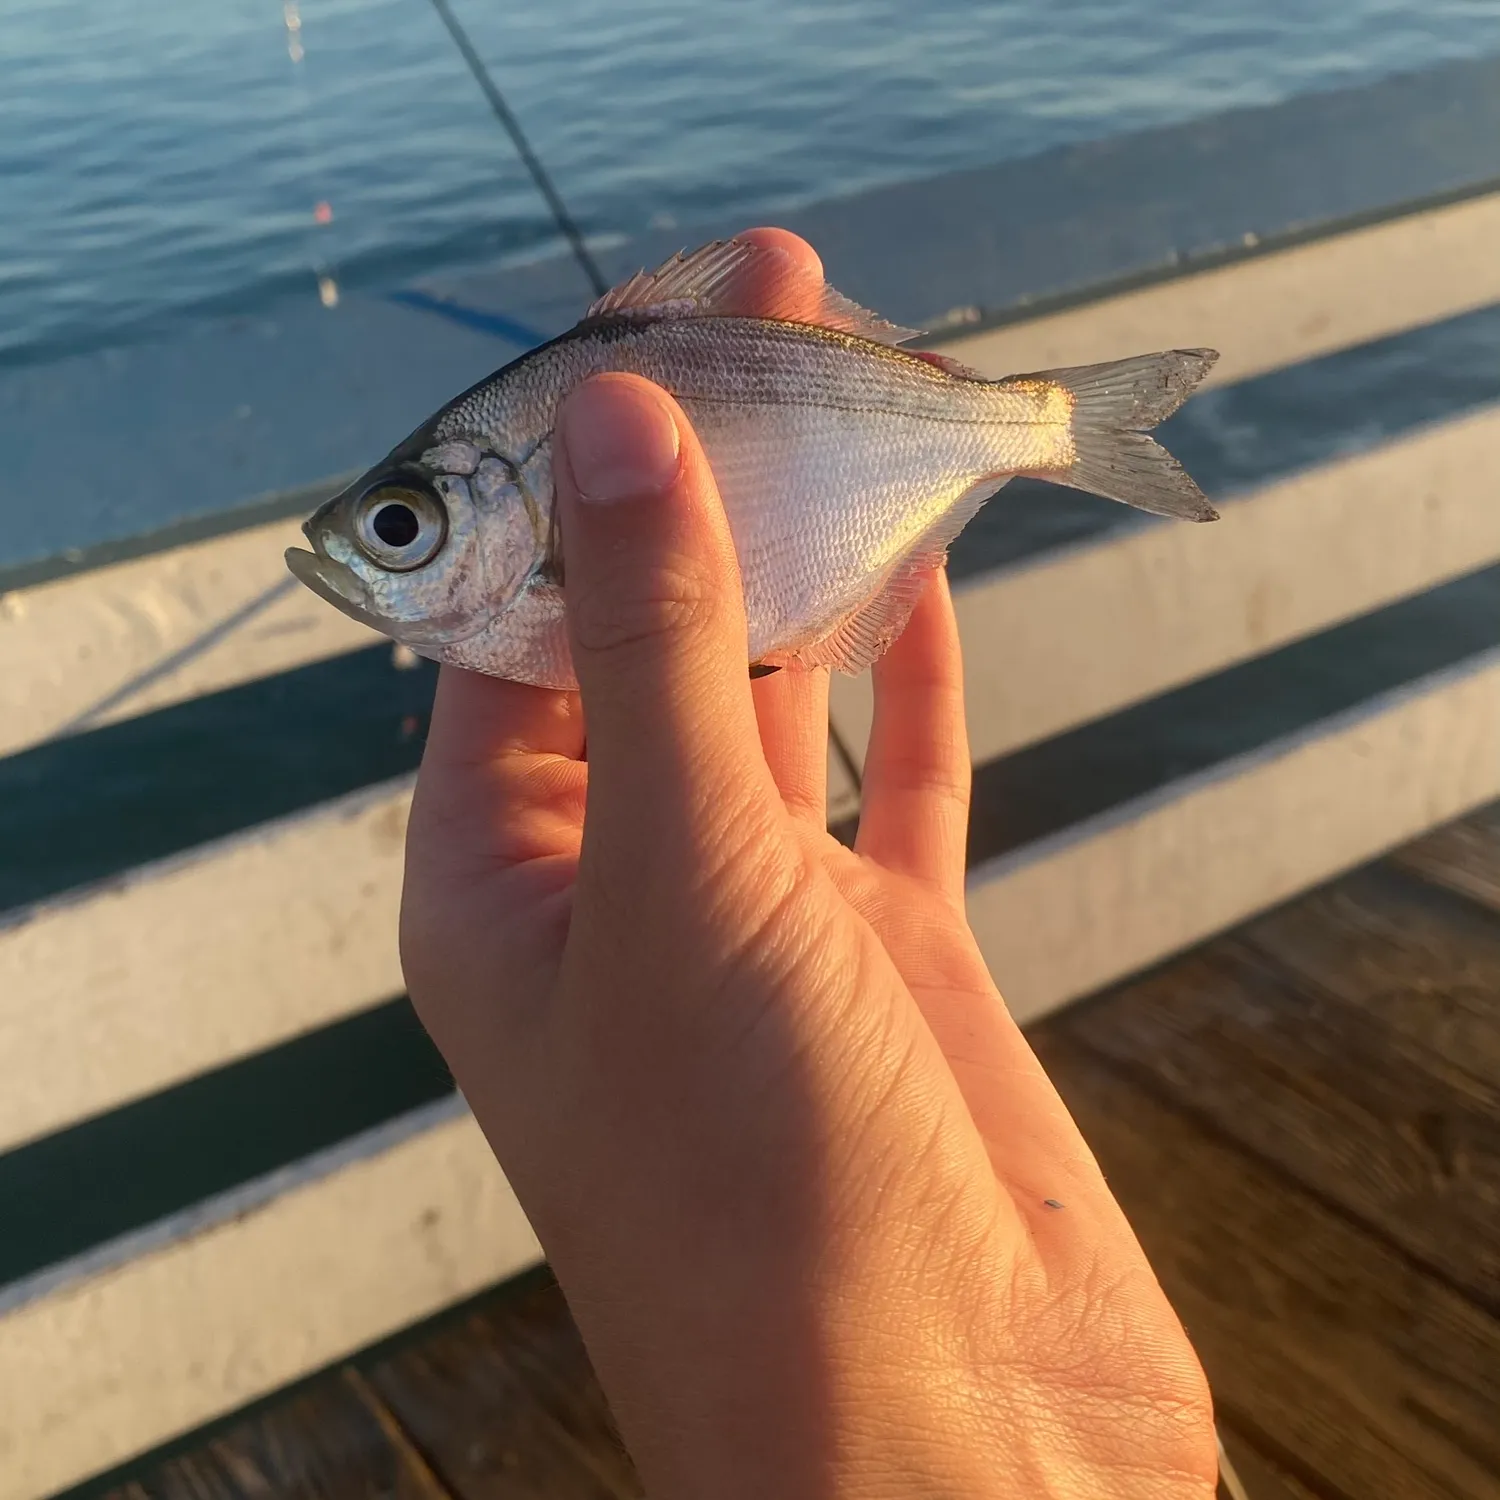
[(825, 1225)]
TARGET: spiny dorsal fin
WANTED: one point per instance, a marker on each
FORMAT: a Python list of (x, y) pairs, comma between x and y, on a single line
[(687, 284), (730, 278)]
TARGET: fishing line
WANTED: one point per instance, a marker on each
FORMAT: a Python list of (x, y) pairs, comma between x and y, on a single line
[(322, 269), (503, 112), (1228, 1479)]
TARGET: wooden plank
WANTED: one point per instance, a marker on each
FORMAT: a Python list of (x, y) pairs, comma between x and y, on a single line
[(1422, 965), (1277, 309), (500, 1403), (288, 927), (1068, 914), (248, 1296), (1370, 1377), (1083, 631), (1463, 857), (332, 1440), (505, 1404), (1328, 1094), (121, 640)]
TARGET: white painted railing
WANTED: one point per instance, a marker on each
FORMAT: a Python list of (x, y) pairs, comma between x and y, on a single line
[(236, 1297)]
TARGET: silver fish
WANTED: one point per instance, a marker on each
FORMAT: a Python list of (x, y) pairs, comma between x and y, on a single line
[(846, 464)]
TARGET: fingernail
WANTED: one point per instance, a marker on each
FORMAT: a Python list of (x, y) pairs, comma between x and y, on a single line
[(621, 440)]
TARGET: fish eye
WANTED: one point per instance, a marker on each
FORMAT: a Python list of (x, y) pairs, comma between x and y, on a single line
[(399, 527)]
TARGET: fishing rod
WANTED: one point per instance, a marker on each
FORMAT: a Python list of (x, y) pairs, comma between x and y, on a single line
[(506, 116)]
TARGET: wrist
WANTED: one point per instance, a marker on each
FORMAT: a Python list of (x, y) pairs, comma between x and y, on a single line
[(880, 1414)]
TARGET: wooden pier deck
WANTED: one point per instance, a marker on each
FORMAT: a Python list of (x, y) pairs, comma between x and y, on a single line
[(1302, 1118)]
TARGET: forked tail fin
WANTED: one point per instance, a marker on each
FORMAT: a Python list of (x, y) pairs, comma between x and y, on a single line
[(1113, 404)]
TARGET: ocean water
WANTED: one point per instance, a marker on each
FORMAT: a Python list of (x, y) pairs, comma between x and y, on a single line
[(160, 162)]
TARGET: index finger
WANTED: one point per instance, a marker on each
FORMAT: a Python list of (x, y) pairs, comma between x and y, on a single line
[(502, 777), (790, 281), (915, 818)]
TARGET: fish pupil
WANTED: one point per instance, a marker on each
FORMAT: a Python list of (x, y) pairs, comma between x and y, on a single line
[(396, 525)]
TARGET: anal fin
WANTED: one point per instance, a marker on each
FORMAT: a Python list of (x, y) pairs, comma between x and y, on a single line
[(865, 635)]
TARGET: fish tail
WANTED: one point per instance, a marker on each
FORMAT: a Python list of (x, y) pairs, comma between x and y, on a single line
[(1112, 405)]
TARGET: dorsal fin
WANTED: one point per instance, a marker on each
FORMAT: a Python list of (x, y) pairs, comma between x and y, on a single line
[(687, 284), (732, 278)]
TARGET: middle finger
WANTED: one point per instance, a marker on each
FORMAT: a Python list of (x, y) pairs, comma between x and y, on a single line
[(791, 708)]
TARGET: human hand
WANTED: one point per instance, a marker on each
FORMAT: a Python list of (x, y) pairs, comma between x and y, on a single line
[(788, 1155)]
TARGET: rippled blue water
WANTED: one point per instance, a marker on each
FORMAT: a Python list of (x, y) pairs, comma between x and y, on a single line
[(160, 159)]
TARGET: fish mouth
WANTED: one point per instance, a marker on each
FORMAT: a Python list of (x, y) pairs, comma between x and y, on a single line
[(343, 588), (339, 585)]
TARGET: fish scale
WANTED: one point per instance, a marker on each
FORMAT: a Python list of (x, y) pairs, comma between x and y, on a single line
[(846, 466)]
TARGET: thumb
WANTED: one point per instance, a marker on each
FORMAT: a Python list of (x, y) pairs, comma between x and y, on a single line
[(656, 621)]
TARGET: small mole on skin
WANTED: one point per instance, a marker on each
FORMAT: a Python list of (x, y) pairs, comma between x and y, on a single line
[(1050, 1203)]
